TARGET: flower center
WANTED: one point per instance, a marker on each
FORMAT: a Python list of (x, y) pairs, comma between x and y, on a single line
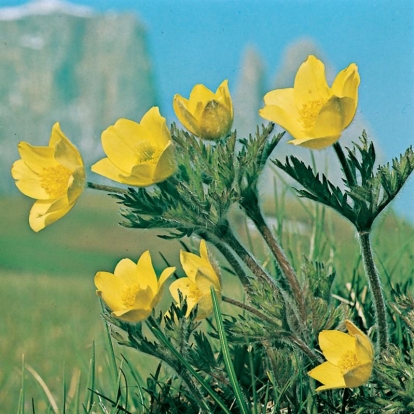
[(55, 180), (195, 292), (309, 113), (129, 294), (348, 361), (147, 154)]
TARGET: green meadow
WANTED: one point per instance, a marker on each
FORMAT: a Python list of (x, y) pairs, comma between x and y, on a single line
[(49, 310)]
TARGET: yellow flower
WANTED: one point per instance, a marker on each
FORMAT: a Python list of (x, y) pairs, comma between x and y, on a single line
[(206, 114), (53, 175), (312, 112), (350, 358), (138, 154), (133, 290), (196, 286)]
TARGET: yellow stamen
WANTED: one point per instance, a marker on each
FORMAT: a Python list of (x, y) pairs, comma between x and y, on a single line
[(147, 154), (55, 180), (309, 113), (348, 361), (194, 293), (129, 294)]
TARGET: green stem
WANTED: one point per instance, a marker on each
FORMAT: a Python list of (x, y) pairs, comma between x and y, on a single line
[(344, 163), (106, 188), (280, 257), (294, 338), (246, 257), (376, 290), (250, 309)]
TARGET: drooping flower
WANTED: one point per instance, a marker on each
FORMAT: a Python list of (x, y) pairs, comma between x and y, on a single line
[(206, 114), (350, 359), (312, 112), (53, 175), (201, 275), (133, 290), (138, 154)]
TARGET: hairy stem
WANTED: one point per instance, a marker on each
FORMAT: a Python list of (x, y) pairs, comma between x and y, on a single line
[(249, 309), (246, 257), (106, 188), (376, 290), (280, 257)]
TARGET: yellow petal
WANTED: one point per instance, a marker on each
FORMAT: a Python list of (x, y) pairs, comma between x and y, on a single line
[(67, 155), (187, 289), (27, 181), (126, 270), (329, 375), (347, 82), (215, 121), (329, 121), (120, 144), (107, 169), (205, 306), (223, 95), (200, 93), (166, 164), (144, 298), (166, 273), (190, 263), (310, 82), (315, 143), (205, 278), (110, 288), (36, 158), (44, 213), (65, 152), (142, 175), (156, 128), (334, 344), (182, 112), (348, 110), (146, 272), (77, 186), (203, 250), (359, 375), (362, 342), (133, 315), (281, 109)]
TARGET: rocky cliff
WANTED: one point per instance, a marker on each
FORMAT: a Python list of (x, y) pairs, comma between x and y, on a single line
[(65, 63)]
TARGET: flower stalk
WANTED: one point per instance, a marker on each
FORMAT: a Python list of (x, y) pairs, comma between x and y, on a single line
[(286, 268), (246, 257), (106, 188), (376, 290)]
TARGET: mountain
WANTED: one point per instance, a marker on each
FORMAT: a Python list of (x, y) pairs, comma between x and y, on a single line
[(64, 62)]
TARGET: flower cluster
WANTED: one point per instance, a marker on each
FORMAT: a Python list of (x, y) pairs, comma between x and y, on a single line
[(146, 154), (133, 290)]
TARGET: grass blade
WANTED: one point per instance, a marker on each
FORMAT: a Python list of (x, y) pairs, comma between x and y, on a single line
[(238, 394), (110, 348), (45, 389), (20, 408), (152, 324), (89, 396)]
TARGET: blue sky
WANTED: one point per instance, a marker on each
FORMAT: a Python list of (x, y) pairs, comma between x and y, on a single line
[(195, 41)]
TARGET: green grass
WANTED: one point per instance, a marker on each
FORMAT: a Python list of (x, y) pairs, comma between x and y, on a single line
[(50, 312), (88, 239)]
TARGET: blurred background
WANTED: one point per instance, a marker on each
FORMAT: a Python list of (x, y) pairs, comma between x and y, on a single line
[(89, 62)]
